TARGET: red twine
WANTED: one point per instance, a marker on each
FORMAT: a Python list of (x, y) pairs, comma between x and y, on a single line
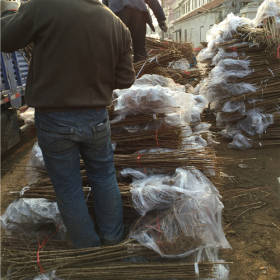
[(278, 50), (232, 48), (188, 73), (139, 162), (41, 246), (157, 138)]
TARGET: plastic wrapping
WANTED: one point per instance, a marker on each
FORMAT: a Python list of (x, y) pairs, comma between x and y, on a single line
[(34, 163), (195, 116), (240, 142), (28, 116), (143, 99), (187, 226), (238, 88), (205, 54), (202, 127), (222, 54), (221, 121), (256, 122), (225, 29), (27, 215), (154, 80), (231, 106), (194, 142), (152, 192), (230, 131), (269, 8), (181, 64), (229, 68), (201, 101), (47, 276), (221, 272)]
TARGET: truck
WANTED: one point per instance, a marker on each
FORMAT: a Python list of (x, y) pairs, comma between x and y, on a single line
[(14, 69)]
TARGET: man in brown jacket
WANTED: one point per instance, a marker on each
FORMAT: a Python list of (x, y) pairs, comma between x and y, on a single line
[(82, 52)]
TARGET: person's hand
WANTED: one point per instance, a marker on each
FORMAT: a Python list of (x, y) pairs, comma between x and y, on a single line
[(7, 5), (163, 26)]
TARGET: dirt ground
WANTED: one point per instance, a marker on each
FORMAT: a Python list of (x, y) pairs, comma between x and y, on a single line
[(251, 195)]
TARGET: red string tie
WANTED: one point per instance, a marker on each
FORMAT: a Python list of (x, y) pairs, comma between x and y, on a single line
[(41, 246), (232, 48), (157, 138)]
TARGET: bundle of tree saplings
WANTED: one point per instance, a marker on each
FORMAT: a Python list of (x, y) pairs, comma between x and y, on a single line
[(162, 58), (128, 259), (243, 86)]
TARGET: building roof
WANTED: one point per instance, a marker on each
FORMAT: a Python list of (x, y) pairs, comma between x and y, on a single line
[(210, 5)]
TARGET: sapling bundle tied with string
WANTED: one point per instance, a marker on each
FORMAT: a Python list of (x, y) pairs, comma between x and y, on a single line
[(242, 60), (169, 59)]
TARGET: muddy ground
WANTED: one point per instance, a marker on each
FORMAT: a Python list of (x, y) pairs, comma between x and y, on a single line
[(251, 196)]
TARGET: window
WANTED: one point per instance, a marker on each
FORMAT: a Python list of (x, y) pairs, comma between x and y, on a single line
[(183, 9), (186, 35), (191, 37), (201, 33), (189, 6)]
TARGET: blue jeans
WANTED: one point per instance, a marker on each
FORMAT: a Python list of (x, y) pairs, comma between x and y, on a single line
[(63, 138)]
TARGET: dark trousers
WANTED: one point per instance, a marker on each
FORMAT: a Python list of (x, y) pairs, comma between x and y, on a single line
[(65, 136), (136, 22)]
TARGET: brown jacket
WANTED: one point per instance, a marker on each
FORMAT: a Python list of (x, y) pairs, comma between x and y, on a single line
[(82, 52)]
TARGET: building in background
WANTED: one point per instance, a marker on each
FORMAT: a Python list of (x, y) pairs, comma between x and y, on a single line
[(189, 20)]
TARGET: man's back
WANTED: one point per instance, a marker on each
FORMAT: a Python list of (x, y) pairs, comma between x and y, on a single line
[(82, 52)]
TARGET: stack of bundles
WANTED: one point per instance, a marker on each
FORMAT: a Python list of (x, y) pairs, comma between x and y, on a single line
[(181, 219), (170, 59), (244, 85), (157, 124), (165, 143)]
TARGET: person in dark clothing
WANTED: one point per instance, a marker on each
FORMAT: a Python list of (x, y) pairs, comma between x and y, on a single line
[(135, 15), (82, 52)]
